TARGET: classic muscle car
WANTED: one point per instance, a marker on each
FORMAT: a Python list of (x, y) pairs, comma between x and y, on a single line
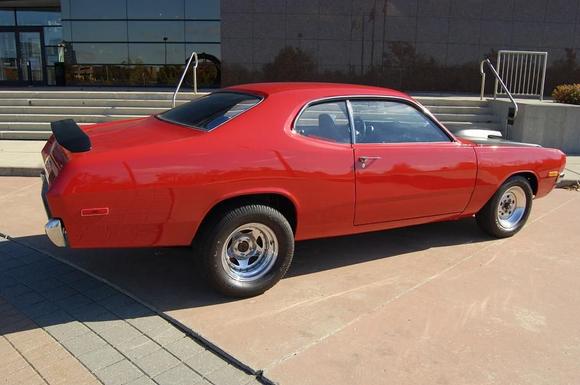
[(242, 173)]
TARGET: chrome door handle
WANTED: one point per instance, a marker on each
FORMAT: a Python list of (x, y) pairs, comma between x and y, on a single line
[(364, 160)]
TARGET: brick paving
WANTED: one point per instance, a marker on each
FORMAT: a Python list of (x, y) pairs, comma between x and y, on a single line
[(59, 325)]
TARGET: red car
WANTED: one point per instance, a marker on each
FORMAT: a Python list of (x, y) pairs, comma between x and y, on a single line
[(242, 173)]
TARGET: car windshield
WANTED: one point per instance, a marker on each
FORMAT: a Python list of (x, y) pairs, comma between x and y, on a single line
[(208, 112)]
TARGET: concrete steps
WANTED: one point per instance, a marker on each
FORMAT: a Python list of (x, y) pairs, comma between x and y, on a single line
[(156, 103), (464, 116), (85, 110), (26, 114)]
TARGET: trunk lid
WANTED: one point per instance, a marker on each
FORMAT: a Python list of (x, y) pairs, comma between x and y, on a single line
[(136, 132), (70, 140)]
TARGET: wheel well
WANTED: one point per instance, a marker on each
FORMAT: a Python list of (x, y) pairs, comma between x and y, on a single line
[(277, 201), (531, 178)]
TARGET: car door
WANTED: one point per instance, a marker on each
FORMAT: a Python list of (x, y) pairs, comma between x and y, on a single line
[(406, 165)]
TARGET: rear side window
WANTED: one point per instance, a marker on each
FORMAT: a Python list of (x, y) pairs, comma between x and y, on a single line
[(327, 121), (210, 111)]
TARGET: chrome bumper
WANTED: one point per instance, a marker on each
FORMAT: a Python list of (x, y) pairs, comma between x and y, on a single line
[(560, 177), (56, 233)]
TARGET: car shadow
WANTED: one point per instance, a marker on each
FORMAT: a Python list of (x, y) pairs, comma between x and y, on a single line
[(170, 278)]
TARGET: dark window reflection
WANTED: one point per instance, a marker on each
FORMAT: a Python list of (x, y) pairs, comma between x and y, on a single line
[(156, 53), (51, 55), (38, 18), (136, 75), (155, 9), (6, 17), (52, 35), (202, 31), (93, 53), (98, 9), (95, 31), (211, 49), (153, 31), (202, 9)]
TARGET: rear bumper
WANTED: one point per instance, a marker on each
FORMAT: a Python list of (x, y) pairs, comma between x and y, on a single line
[(56, 232), (43, 193), (54, 228)]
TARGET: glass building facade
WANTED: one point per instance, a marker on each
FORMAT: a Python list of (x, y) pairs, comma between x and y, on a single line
[(111, 42), (414, 45)]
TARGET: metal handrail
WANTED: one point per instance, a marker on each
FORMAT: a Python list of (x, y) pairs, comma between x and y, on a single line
[(192, 57), (499, 79), (524, 72)]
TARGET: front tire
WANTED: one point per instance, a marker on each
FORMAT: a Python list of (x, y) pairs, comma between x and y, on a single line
[(508, 210), (247, 251)]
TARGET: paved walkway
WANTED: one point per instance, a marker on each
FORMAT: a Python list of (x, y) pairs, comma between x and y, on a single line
[(20, 157), (58, 325)]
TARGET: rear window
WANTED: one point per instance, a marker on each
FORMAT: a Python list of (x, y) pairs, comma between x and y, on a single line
[(210, 111)]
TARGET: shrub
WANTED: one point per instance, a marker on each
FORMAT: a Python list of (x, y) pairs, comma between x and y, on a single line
[(567, 93)]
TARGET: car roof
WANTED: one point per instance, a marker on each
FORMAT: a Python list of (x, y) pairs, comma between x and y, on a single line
[(318, 90)]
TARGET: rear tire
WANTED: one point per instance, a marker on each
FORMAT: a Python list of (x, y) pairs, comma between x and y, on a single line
[(246, 251), (508, 209)]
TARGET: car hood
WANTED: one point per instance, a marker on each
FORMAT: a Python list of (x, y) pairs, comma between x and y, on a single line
[(125, 134), (496, 142)]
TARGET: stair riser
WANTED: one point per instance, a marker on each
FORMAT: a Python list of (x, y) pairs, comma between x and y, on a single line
[(29, 111), (25, 135), (89, 103), (29, 126), (52, 118), (96, 95), (451, 102), (454, 126), (468, 118), (459, 110)]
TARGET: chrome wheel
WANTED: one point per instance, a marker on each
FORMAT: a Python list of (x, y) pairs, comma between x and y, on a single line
[(511, 207), (249, 252)]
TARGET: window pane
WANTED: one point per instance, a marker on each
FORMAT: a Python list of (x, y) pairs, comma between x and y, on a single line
[(393, 122), (66, 31), (155, 9), (52, 35), (328, 121), (202, 31), (93, 53), (50, 76), (51, 55), (38, 18), (153, 31), (211, 49), (6, 17), (202, 9), (210, 111), (8, 64), (157, 53), (65, 9), (99, 31), (101, 9)]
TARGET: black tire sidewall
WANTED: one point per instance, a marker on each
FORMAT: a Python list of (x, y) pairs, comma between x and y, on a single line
[(489, 220), (214, 270)]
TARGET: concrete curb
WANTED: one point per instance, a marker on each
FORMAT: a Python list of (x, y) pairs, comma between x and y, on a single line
[(20, 171)]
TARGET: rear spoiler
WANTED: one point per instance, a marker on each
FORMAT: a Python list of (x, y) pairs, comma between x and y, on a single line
[(70, 136)]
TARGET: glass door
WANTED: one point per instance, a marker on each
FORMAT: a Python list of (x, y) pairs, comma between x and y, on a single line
[(22, 56), (8, 57), (31, 63)]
